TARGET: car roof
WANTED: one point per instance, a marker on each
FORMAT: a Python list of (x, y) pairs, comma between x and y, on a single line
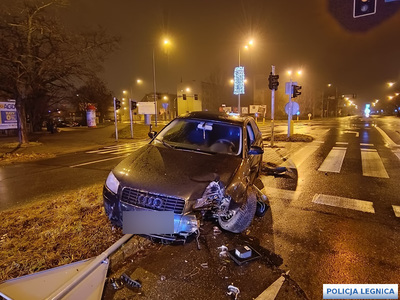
[(215, 116)]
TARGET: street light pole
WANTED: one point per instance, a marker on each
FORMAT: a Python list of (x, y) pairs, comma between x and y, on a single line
[(155, 90), (239, 93)]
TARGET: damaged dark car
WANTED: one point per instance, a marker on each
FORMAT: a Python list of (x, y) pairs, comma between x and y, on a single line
[(200, 165)]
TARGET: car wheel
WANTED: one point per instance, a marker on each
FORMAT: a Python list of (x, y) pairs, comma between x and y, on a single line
[(239, 219)]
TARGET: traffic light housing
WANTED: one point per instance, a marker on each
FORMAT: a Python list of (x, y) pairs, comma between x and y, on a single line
[(184, 96), (363, 8), (133, 105), (196, 97), (273, 81), (117, 104), (296, 91)]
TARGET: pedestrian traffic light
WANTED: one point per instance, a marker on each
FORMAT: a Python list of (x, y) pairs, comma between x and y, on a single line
[(296, 91), (363, 8), (184, 96), (117, 104), (273, 81), (196, 97), (133, 105)]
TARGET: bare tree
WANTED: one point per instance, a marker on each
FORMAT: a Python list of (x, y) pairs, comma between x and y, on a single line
[(41, 62)]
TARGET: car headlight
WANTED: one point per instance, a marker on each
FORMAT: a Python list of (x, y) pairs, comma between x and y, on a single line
[(112, 183)]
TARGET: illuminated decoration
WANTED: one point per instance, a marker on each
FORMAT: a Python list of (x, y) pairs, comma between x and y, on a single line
[(238, 81), (367, 110)]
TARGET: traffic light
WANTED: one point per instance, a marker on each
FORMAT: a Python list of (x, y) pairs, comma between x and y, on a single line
[(363, 8), (133, 105), (184, 96), (273, 81), (296, 91), (196, 97), (117, 104)]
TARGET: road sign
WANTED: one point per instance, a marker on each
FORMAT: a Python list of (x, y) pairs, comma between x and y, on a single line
[(294, 106), (288, 87)]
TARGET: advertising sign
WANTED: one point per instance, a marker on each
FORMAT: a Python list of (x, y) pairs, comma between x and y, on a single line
[(8, 115), (146, 108), (238, 81)]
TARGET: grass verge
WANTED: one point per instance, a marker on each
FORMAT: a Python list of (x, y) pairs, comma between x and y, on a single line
[(54, 232)]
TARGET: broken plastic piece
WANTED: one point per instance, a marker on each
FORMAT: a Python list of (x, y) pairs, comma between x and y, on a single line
[(224, 251), (216, 230), (116, 283), (233, 290), (130, 282)]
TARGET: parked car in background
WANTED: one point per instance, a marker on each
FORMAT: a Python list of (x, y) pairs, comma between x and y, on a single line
[(200, 164)]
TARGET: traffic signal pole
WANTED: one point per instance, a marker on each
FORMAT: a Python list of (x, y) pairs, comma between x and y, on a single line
[(272, 109), (290, 130), (130, 116), (115, 119)]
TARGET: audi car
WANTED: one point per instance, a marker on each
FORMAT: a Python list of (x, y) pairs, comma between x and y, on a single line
[(200, 165)]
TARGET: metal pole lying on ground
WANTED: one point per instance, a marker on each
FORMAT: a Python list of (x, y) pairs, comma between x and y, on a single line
[(74, 281)]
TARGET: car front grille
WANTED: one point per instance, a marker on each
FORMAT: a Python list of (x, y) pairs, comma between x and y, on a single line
[(152, 201)]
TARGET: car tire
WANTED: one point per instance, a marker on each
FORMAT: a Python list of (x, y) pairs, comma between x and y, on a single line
[(242, 217)]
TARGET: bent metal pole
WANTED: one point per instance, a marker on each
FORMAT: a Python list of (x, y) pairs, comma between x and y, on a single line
[(74, 281)]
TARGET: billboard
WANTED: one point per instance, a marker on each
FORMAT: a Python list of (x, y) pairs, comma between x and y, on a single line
[(8, 115)]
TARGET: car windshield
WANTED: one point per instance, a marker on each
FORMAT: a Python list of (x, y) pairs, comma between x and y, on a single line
[(202, 135)]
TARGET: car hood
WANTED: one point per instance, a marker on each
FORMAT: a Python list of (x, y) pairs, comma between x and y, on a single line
[(180, 173)]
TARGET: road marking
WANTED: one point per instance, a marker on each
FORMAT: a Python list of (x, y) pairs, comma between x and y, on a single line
[(281, 193), (397, 153), (372, 165), (396, 210), (333, 162), (301, 155), (342, 143), (359, 205), (96, 161), (119, 149), (387, 139), (368, 145), (347, 131)]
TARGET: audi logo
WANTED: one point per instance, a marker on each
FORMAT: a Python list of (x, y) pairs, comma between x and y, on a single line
[(150, 201)]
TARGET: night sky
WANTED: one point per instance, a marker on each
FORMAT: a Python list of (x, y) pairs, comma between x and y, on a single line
[(318, 36)]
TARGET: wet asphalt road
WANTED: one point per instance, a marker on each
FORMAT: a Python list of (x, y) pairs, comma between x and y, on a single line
[(318, 242)]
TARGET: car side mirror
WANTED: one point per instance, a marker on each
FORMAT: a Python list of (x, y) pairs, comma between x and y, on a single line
[(256, 150), (152, 134)]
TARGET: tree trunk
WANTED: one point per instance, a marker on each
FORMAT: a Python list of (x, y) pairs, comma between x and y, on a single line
[(21, 119)]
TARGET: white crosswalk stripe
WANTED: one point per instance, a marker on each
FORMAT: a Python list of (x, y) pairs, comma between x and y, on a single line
[(119, 149), (372, 164), (334, 161), (354, 204)]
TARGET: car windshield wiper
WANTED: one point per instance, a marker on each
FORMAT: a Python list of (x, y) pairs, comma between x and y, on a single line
[(165, 144)]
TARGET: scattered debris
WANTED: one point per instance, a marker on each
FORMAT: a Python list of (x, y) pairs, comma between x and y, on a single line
[(130, 282), (224, 251), (163, 278), (116, 283), (243, 254), (216, 230), (204, 265), (233, 291)]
